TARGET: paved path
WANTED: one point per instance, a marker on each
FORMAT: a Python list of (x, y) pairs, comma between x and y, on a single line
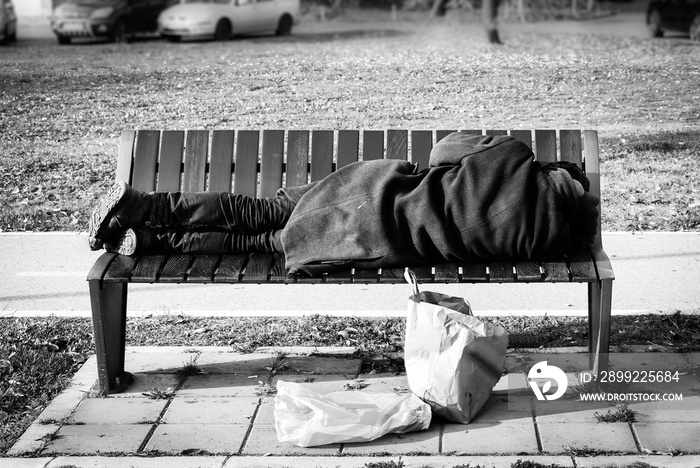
[(226, 418), (45, 273)]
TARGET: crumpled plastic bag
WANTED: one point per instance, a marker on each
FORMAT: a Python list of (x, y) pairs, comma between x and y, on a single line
[(307, 418)]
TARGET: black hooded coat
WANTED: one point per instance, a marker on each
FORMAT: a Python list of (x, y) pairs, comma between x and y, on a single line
[(482, 198)]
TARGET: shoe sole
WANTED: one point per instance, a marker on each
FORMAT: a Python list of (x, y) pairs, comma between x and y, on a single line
[(126, 245), (102, 212)]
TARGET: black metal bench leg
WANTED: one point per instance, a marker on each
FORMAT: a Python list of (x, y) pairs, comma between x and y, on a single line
[(599, 312), (108, 302)]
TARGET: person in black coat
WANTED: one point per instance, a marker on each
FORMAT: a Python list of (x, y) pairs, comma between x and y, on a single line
[(482, 198)]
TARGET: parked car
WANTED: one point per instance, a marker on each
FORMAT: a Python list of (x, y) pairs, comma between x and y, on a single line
[(221, 19), (674, 15), (115, 20), (8, 22)]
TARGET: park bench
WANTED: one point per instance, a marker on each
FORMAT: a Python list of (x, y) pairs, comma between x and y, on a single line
[(257, 163)]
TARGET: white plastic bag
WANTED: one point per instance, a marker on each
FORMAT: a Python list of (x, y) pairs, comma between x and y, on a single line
[(307, 418), (452, 358)]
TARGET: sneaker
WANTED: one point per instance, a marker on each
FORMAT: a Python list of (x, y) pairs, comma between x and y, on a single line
[(101, 214), (126, 245)]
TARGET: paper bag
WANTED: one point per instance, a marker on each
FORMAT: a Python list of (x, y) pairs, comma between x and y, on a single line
[(307, 418), (452, 358)]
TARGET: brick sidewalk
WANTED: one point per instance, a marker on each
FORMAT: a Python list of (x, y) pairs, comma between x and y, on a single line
[(223, 410)]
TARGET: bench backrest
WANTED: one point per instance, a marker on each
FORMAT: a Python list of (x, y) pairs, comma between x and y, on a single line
[(257, 163)]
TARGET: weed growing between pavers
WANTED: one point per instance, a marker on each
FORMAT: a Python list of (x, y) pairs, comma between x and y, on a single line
[(385, 464), (622, 413)]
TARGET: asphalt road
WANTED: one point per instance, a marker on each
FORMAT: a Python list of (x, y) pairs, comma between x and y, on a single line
[(45, 274)]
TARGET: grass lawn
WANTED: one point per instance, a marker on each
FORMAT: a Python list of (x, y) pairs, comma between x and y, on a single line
[(64, 107)]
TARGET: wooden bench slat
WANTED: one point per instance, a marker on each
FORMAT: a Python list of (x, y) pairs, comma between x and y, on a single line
[(582, 267), (523, 135), (145, 159), (175, 268), (421, 145), (245, 177), (447, 273), (271, 162), (546, 146), (570, 142), (397, 144), (556, 271), (125, 158), (203, 268), (372, 145), (278, 273), (501, 272), (342, 277), (170, 162), (230, 268), (440, 134), (348, 147), (257, 270), (366, 276), (496, 132), (221, 160), (424, 274), (321, 154), (297, 158), (147, 269), (392, 276), (196, 151), (474, 272), (120, 268), (528, 271)]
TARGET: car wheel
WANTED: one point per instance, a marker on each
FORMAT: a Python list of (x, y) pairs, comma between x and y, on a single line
[(223, 30), (284, 27), (5, 38), (119, 32), (695, 29), (654, 24), (174, 38), (64, 40)]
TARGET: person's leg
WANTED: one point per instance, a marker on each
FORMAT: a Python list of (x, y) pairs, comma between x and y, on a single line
[(152, 241), (489, 11), (125, 207)]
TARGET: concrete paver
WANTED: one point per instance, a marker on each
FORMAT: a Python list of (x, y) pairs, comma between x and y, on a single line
[(24, 462), (219, 385), (675, 436), (661, 461), (117, 411), (587, 437), (424, 442), (137, 462), (178, 439), (263, 440), (236, 410), (145, 383), (97, 439), (515, 436)]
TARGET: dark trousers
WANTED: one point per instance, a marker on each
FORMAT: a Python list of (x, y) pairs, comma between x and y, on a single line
[(215, 223)]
